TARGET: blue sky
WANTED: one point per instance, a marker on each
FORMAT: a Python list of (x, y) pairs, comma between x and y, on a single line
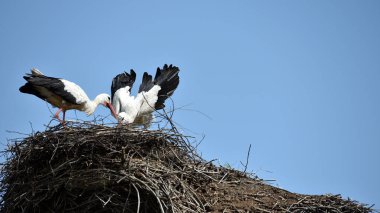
[(299, 80)]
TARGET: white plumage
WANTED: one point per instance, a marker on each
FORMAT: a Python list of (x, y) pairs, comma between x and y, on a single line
[(151, 96), (137, 110), (75, 90)]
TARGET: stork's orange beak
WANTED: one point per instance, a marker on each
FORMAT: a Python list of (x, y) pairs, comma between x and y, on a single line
[(109, 105)]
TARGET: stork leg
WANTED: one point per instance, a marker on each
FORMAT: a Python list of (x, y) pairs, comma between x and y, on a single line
[(64, 113), (56, 115)]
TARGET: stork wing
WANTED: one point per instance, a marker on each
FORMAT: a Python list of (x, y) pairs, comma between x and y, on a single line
[(168, 79), (155, 92), (67, 90), (147, 100), (123, 80), (147, 97)]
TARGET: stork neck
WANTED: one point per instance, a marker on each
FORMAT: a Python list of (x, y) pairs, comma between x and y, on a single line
[(92, 105), (98, 99)]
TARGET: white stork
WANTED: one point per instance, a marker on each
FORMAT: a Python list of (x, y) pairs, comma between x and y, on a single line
[(151, 95), (63, 94)]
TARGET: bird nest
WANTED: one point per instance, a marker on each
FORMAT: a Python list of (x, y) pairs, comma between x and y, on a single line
[(95, 168)]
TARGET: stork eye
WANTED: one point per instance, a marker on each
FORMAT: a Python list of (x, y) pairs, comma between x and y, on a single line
[(109, 98)]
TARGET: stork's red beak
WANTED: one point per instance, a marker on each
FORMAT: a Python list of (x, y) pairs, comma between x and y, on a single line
[(109, 105)]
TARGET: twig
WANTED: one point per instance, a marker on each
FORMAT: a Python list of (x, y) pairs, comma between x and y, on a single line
[(247, 160), (138, 198)]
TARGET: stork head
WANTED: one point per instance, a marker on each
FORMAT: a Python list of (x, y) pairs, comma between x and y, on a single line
[(105, 100)]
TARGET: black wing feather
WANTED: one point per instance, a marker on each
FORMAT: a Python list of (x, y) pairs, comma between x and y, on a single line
[(29, 89), (168, 79), (54, 85), (122, 80), (147, 83)]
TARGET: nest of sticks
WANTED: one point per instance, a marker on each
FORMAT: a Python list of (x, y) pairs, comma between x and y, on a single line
[(97, 168)]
